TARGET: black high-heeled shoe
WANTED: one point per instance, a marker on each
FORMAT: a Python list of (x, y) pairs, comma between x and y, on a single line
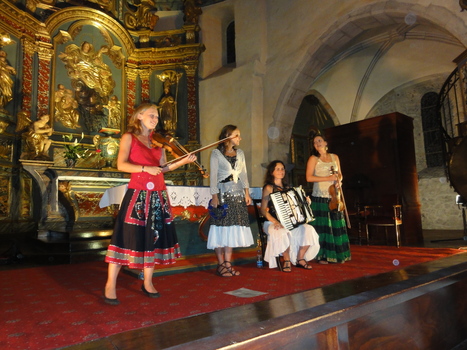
[(111, 301), (149, 294)]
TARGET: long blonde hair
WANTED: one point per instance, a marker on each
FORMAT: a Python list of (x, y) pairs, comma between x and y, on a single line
[(134, 124)]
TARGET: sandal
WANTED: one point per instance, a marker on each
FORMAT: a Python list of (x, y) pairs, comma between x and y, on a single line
[(287, 266), (223, 270), (231, 269), (306, 266)]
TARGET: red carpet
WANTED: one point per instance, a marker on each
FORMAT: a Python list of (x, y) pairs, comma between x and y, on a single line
[(55, 306)]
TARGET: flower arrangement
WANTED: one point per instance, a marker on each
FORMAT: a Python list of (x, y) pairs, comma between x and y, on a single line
[(74, 150)]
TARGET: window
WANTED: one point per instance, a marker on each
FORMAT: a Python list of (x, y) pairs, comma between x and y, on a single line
[(230, 43), (431, 130)]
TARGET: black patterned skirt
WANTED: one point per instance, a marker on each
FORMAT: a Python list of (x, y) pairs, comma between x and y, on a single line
[(232, 229), (144, 233)]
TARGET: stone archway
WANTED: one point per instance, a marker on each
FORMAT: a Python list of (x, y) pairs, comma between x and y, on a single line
[(330, 51)]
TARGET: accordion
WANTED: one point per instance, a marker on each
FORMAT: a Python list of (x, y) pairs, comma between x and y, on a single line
[(291, 207)]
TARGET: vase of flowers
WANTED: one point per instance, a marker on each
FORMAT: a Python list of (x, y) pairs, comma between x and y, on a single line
[(73, 150), (70, 163)]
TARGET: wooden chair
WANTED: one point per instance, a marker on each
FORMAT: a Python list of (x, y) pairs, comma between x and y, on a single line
[(357, 218), (263, 236), (384, 216)]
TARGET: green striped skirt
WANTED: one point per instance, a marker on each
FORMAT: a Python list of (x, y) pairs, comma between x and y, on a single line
[(330, 225)]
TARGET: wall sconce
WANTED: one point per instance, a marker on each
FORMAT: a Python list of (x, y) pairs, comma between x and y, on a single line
[(5, 39)]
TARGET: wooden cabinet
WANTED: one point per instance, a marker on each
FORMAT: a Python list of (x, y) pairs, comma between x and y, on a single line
[(377, 157)]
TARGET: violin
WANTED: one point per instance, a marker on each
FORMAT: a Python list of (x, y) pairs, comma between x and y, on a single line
[(170, 144), (337, 202)]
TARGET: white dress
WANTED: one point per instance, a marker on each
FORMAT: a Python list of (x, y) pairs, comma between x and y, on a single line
[(280, 239)]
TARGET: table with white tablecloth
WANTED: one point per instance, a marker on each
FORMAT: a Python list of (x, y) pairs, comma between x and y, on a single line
[(180, 196), (190, 208)]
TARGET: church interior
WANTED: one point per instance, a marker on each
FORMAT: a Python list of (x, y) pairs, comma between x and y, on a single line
[(383, 81)]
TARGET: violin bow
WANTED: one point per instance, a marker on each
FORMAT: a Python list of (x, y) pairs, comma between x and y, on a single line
[(198, 150), (345, 208)]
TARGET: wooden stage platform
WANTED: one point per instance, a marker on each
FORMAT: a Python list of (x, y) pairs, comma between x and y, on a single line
[(423, 306)]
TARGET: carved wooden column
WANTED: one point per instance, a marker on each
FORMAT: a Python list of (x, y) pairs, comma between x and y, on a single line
[(144, 76), (45, 53), (193, 120), (26, 89), (132, 75)]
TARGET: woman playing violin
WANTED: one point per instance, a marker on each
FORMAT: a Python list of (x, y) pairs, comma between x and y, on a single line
[(323, 169), (144, 233)]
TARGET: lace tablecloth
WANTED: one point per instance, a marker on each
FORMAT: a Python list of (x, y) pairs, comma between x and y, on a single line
[(183, 196)]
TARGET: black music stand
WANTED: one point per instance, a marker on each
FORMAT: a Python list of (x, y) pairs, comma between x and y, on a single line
[(461, 202)]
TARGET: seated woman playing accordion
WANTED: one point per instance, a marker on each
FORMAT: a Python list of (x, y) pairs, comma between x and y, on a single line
[(298, 245)]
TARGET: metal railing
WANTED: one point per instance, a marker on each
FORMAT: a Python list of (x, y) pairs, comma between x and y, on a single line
[(452, 111)]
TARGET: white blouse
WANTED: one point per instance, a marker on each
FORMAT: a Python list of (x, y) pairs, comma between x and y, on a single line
[(321, 189), (222, 169)]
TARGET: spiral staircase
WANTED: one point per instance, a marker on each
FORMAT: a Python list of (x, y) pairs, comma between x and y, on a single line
[(452, 109)]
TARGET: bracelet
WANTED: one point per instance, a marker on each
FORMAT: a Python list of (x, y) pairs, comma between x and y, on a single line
[(142, 168)]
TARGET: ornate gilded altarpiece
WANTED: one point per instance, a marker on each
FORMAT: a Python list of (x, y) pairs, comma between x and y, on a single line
[(77, 69)]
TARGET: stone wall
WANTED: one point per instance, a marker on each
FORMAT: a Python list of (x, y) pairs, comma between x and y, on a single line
[(437, 197), (285, 52)]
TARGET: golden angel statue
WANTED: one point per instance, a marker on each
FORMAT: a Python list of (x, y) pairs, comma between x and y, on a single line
[(86, 65), (91, 79), (6, 83), (37, 137)]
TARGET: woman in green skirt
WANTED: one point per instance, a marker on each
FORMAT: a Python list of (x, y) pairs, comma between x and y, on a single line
[(323, 169)]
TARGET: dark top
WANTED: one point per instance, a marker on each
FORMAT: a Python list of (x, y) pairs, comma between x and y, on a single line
[(272, 209)]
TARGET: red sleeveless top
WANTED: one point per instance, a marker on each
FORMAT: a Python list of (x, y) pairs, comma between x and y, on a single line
[(140, 154)]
